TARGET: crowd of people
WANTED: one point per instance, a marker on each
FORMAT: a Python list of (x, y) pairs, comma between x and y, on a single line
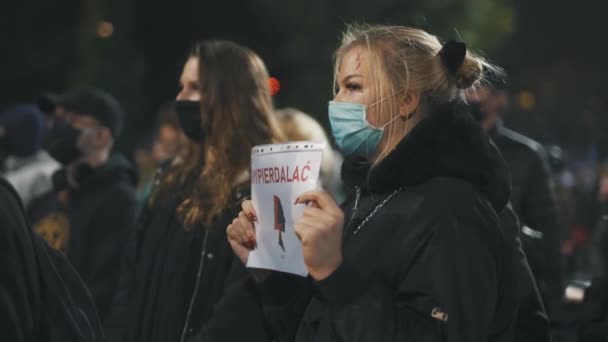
[(433, 221)]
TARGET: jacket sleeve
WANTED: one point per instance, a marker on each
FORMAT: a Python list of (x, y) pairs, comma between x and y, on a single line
[(109, 235), (19, 286), (264, 311), (446, 290), (267, 311), (539, 211)]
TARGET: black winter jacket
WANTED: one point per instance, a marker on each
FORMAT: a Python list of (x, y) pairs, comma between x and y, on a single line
[(180, 274), (41, 296), (93, 227), (535, 204), (426, 257)]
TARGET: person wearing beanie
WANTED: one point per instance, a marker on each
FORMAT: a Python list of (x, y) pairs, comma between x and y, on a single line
[(25, 165), (90, 213)]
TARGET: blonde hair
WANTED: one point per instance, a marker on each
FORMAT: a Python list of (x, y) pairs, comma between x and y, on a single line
[(299, 126), (403, 60)]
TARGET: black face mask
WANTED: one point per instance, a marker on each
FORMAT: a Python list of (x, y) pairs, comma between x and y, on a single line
[(189, 116), (62, 143)]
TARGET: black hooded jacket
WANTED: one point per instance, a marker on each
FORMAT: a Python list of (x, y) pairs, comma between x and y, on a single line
[(425, 255), (535, 204), (92, 224), (180, 274), (41, 296)]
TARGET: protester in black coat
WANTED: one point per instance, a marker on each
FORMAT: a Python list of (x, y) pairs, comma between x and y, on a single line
[(90, 214), (41, 296), (437, 245), (183, 262), (532, 194), (94, 223), (532, 320), (534, 202), (178, 271), (419, 253)]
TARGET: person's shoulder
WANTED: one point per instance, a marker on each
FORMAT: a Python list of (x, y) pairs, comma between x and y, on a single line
[(12, 215), (123, 190), (437, 202), (124, 179), (121, 194), (445, 193), (8, 194), (452, 208), (47, 199), (516, 140)]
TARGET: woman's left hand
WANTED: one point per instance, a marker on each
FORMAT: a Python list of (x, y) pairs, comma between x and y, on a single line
[(320, 231)]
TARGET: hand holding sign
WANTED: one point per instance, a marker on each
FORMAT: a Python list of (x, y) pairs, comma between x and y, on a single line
[(320, 231), (241, 233), (279, 174)]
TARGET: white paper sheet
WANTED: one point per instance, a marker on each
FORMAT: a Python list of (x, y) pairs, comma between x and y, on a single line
[(280, 173)]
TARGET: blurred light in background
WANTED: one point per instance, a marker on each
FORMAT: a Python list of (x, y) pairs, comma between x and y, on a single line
[(105, 29), (526, 100), (275, 86)]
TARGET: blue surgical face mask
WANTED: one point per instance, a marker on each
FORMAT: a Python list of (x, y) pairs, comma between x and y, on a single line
[(351, 130)]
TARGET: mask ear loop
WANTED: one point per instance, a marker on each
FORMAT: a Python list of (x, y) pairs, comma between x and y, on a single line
[(409, 116), (389, 122), (380, 101)]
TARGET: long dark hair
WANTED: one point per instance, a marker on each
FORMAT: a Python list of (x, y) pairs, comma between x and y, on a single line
[(237, 113)]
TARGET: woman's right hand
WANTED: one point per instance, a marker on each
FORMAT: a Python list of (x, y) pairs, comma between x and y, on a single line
[(241, 232)]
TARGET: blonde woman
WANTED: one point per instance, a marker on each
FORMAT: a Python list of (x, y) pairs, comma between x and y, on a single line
[(418, 254)]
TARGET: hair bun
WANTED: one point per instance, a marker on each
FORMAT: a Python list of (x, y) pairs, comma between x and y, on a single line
[(469, 72), (461, 66), (452, 55)]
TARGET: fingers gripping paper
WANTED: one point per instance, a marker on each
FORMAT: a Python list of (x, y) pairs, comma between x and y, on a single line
[(280, 173)]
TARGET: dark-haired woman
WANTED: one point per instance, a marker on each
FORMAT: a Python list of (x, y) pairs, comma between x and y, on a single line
[(183, 260)]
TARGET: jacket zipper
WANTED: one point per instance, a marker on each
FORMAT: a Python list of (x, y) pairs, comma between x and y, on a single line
[(355, 207), (197, 285)]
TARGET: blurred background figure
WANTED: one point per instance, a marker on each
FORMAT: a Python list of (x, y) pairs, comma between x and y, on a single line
[(566, 194), (169, 139), (22, 161), (155, 153), (143, 159), (299, 126), (90, 213), (596, 251), (532, 195)]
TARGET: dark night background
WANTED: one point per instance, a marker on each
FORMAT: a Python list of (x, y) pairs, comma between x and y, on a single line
[(554, 51)]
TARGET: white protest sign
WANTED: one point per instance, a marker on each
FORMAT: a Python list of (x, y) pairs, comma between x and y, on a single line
[(280, 173)]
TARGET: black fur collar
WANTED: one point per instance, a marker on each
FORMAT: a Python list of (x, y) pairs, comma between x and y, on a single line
[(447, 143)]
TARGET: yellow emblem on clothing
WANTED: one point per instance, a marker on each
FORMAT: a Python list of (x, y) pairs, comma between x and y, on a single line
[(55, 229)]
